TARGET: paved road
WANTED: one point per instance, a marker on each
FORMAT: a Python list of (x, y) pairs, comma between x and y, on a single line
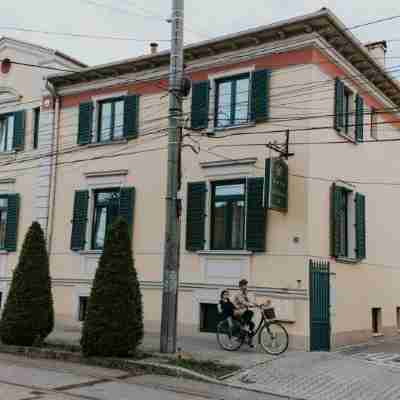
[(26, 379), (367, 372)]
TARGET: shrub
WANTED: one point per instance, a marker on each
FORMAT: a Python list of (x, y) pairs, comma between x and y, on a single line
[(113, 326), (28, 316)]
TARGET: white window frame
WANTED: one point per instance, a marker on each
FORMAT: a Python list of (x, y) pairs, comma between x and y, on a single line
[(212, 78), (96, 181), (351, 221), (96, 112)]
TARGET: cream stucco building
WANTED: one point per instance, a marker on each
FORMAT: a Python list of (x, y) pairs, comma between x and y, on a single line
[(26, 138), (325, 255)]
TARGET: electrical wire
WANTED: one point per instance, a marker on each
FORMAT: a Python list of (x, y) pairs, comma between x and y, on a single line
[(80, 35)]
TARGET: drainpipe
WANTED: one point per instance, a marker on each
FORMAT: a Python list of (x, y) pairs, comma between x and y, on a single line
[(53, 164)]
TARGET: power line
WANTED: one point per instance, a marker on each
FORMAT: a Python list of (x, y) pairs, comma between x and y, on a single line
[(359, 182), (377, 21), (40, 66), (80, 35)]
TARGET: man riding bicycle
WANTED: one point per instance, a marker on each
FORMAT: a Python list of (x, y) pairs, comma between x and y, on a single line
[(243, 304)]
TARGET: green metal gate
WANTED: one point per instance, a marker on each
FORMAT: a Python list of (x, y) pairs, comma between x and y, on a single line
[(320, 331)]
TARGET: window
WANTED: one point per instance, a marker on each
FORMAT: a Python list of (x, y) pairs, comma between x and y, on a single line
[(343, 221), (104, 205), (232, 101), (83, 304), (374, 124), (348, 225), (348, 111), (398, 317), (111, 120), (6, 132), (376, 320), (36, 119), (3, 221), (237, 215), (209, 317), (228, 215), (106, 210)]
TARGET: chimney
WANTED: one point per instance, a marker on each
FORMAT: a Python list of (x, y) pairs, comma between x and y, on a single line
[(153, 47), (377, 50)]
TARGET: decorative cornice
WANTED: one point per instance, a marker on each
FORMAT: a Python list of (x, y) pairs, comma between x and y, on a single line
[(99, 174), (228, 163)]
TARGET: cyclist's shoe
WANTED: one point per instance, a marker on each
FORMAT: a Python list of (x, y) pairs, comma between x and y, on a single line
[(250, 342)]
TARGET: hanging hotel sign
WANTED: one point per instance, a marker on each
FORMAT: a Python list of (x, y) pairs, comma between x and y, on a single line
[(276, 184)]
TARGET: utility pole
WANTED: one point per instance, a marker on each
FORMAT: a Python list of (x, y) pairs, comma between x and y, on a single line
[(172, 226)]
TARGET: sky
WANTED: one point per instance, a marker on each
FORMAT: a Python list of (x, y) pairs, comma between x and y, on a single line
[(145, 20)]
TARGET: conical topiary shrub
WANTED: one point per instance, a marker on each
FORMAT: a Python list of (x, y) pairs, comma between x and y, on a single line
[(114, 321), (28, 315)]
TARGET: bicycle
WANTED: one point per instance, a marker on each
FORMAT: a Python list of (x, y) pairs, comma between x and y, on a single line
[(272, 335)]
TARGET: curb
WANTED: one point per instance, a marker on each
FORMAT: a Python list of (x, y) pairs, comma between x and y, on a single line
[(126, 365)]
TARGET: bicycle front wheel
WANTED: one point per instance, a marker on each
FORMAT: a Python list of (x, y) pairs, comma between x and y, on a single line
[(229, 335), (273, 338)]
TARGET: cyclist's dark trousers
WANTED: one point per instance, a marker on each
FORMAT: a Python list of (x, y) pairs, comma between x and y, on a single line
[(247, 319)]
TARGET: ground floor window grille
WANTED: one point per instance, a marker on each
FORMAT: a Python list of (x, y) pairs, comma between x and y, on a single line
[(83, 303), (376, 320), (209, 317)]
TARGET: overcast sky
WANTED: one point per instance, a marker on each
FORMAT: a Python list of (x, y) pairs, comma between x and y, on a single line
[(145, 19)]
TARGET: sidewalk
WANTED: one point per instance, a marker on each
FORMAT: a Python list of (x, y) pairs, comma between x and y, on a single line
[(203, 347), (327, 376)]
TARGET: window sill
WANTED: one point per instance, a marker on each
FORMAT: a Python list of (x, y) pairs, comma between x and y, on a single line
[(377, 335), (8, 153), (214, 130), (225, 252), (345, 260), (3, 252), (90, 252), (347, 137), (108, 143)]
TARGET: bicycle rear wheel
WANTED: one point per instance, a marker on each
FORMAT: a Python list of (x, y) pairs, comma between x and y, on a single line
[(229, 335), (273, 338)]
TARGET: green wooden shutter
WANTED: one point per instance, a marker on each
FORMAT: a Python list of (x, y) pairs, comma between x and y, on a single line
[(131, 116), (19, 130), (360, 226), (200, 105), (126, 206), (85, 124), (260, 92), (359, 118), (79, 220), (256, 215), (195, 216), (335, 232), (339, 104), (10, 242)]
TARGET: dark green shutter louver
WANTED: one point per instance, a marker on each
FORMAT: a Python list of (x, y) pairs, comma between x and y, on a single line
[(335, 220), (85, 124), (19, 130), (200, 105), (195, 216), (127, 205), (79, 220), (339, 104), (360, 226), (131, 116), (10, 242), (359, 118), (256, 215), (260, 85)]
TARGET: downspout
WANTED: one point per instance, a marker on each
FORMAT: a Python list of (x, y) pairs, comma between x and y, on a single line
[(53, 164)]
